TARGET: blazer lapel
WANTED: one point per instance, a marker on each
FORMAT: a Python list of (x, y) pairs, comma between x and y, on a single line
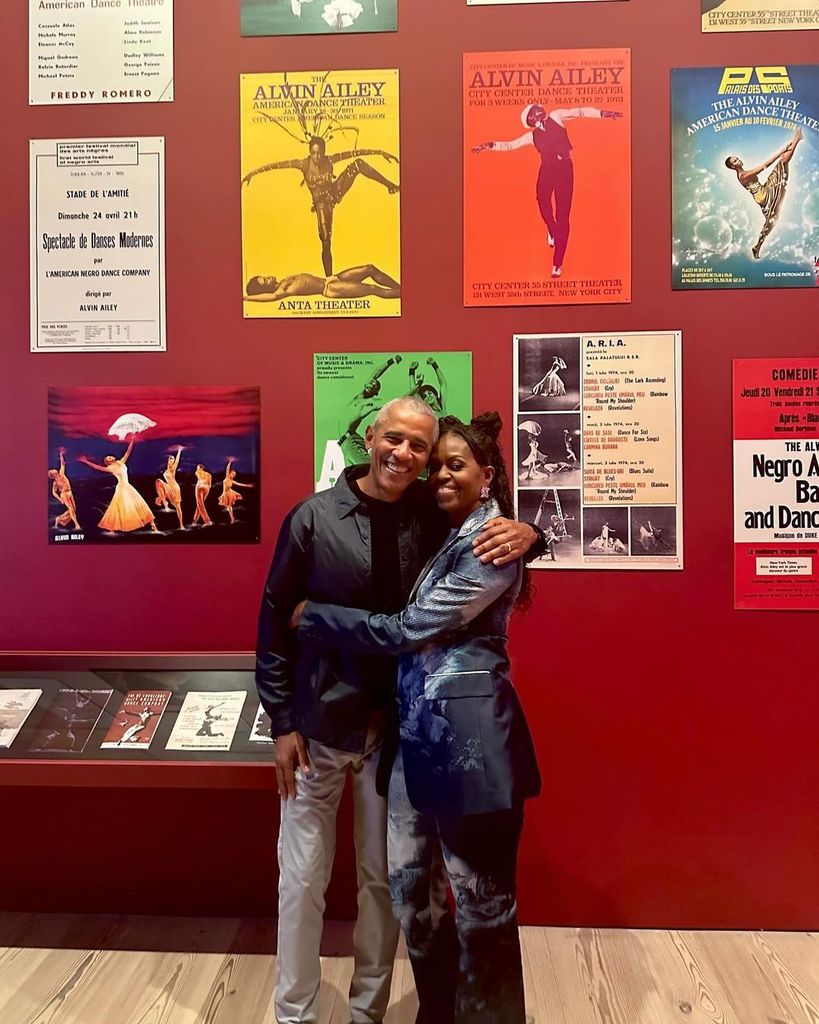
[(471, 524)]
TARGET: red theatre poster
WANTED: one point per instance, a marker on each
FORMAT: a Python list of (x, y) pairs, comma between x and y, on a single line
[(547, 177), (136, 722), (776, 483)]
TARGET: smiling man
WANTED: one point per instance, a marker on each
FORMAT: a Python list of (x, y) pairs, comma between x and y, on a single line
[(361, 544)]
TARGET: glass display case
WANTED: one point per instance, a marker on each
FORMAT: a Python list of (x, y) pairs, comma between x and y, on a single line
[(111, 724)]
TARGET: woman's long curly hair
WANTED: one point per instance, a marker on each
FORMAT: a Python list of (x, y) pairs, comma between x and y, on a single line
[(482, 435)]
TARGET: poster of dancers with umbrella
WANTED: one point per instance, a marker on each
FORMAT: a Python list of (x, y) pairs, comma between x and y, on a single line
[(158, 465)]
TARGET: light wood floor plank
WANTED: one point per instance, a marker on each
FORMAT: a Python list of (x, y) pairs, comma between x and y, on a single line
[(780, 977), (27, 976), (601, 976), (751, 987), (542, 991), (222, 972), (685, 987), (408, 1006), (801, 951), (242, 990)]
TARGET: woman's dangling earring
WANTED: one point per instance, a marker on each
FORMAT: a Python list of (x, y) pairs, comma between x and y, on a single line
[(485, 492)]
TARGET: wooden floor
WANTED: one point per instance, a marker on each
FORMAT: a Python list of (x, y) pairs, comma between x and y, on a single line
[(106, 970)]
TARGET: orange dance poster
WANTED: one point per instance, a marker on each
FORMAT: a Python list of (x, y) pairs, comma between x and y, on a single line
[(547, 177)]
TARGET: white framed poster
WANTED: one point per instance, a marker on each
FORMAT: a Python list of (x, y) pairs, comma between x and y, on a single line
[(207, 720), (100, 51), (98, 245), (598, 447)]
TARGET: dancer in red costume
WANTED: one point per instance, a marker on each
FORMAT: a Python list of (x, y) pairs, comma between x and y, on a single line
[(555, 180)]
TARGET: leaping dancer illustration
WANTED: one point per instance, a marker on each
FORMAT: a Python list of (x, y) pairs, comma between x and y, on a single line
[(132, 732), (206, 728), (770, 193), (555, 180), (318, 168), (366, 402)]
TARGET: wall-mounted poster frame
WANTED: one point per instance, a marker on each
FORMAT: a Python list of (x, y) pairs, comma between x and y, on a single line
[(745, 161), (318, 17), (759, 16), (776, 483), (349, 388), (98, 245), (100, 52), (547, 177), (598, 447), (321, 215)]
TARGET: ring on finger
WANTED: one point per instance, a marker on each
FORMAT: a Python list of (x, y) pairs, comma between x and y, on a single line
[(508, 547)]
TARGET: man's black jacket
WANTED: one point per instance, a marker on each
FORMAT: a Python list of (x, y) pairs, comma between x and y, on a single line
[(323, 553)]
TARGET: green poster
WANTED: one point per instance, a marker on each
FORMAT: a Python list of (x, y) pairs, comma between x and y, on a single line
[(312, 17), (350, 387)]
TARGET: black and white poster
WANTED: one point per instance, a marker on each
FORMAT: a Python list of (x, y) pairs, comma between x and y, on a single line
[(67, 723), (262, 727), (207, 720), (15, 707), (598, 448)]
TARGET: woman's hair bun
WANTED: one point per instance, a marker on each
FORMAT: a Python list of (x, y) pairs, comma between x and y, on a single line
[(448, 422), (490, 423)]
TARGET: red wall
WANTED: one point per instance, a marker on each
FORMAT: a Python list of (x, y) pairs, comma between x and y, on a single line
[(677, 737)]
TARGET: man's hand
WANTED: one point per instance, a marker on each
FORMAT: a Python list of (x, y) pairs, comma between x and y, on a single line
[(291, 752), (503, 540), (295, 618)]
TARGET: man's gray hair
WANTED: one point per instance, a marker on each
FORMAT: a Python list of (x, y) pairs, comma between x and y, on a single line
[(411, 403)]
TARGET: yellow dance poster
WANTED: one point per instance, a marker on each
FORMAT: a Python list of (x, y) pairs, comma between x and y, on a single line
[(321, 194)]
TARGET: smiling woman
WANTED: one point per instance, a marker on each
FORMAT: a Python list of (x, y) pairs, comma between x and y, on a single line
[(457, 479)]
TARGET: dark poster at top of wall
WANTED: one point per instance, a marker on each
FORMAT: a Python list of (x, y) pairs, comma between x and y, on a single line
[(154, 465), (317, 17)]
